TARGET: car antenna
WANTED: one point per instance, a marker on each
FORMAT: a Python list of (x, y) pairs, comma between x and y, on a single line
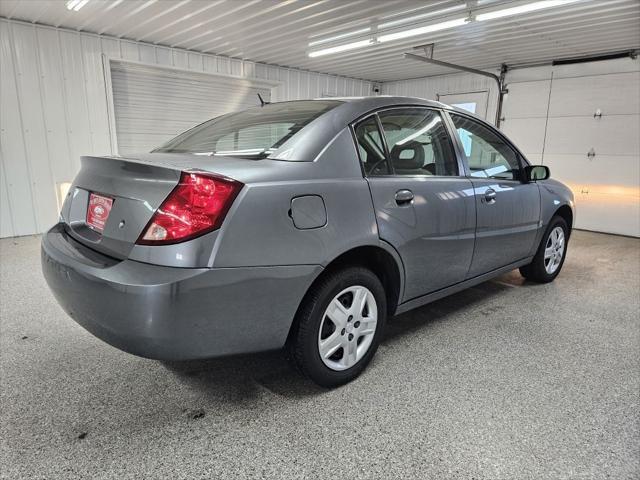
[(262, 102)]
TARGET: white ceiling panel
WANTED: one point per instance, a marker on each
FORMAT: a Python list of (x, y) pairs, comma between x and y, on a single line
[(279, 32)]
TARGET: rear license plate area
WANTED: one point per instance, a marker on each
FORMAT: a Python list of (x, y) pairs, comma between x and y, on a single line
[(98, 211)]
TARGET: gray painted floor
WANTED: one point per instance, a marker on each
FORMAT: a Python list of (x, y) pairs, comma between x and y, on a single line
[(506, 380)]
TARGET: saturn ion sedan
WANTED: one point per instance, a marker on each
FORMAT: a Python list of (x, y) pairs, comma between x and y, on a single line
[(300, 225)]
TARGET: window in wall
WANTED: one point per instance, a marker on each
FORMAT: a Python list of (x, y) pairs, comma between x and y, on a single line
[(487, 154), (468, 106), (371, 148), (418, 142)]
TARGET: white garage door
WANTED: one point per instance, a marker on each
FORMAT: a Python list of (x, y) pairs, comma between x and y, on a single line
[(152, 105), (593, 143), (589, 139)]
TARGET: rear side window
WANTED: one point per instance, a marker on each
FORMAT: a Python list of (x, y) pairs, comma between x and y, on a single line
[(371, 148), (418, 142), (254, 133), (487, 154)]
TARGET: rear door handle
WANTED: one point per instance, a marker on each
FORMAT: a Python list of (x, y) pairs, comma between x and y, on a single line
[(404, 197), (490, 195)]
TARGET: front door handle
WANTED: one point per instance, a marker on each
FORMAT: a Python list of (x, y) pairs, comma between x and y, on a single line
[(404, 197), (490, 196)]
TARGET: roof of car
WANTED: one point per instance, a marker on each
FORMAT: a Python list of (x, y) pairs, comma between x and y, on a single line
[(314, 137), (386, 100)]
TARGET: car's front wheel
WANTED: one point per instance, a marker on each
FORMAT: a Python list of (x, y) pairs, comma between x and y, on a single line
[(549, 258), (338, 326)]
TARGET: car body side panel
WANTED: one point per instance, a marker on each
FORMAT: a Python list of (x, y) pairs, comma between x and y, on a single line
[(507, 227), (259, 230), (434, 234), (553, 195)]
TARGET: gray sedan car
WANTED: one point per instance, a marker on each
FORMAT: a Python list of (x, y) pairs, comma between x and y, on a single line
[(301, 225)]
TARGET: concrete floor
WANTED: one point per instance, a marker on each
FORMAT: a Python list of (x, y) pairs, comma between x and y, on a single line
[(506, 380)]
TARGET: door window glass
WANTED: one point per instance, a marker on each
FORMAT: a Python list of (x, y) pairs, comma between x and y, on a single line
[(371, 148), (487, 154), (418, 142)]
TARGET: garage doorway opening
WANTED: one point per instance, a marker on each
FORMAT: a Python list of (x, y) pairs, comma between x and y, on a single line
[(149, 105)]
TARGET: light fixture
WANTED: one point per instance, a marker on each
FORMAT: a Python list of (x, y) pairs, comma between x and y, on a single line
[(339, 37), (76, 5), (420, 30), (506, 12), (342, 48), (414, 18), (526, 8)]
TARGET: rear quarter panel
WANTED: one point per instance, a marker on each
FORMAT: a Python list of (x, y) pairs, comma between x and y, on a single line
[(259, 230)]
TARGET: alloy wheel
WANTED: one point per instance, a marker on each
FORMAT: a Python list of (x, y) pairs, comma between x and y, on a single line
[(554, 250), (347, 328)]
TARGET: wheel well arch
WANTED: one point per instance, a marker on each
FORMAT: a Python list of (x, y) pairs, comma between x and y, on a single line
[(379, 261), (567, 214)]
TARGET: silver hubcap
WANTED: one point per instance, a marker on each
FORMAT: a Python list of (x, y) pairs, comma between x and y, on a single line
[(554, 250), (347, 328)]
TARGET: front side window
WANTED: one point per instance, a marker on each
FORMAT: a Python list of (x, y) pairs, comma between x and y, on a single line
[(487, 154), (254, 133)]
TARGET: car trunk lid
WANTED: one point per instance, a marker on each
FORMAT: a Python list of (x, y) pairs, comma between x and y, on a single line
[(139, 184), (136, 189)]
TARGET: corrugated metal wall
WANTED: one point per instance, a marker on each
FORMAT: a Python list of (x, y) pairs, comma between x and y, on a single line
[(54, 108)]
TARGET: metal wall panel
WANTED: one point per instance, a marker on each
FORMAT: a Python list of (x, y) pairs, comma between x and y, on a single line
[(34, 131), (15, 162), (54, 107)]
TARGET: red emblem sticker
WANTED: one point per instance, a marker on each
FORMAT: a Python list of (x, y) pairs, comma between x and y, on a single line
[(98, 211)]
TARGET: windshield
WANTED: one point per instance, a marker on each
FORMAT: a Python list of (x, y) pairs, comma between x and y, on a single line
[(254, 133)]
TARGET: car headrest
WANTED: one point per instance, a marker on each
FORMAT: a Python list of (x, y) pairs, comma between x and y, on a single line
[(408, 156)]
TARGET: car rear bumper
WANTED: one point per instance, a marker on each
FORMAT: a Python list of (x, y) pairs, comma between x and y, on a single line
[(172, 313)]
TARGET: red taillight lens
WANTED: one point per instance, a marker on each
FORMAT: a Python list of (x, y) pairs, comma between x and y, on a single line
[(197, 205)]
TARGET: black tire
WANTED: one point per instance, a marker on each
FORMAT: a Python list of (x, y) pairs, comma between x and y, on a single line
[(302, 346), (536, 270)]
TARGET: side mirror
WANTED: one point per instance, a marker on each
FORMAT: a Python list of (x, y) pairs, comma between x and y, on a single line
[(536, 172)]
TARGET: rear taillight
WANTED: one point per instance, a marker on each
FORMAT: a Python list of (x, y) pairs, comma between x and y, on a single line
[(197, 205)]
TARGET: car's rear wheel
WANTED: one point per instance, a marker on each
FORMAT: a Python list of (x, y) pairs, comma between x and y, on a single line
[(338, 326), (549, 258)]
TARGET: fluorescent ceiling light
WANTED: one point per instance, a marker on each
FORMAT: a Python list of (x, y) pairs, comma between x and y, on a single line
[(342, 48), (529, 7), (413, 18), (420, 30), (76, 5), (338, 37)]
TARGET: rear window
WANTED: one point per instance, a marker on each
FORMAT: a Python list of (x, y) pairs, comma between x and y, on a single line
[(255, 133)]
